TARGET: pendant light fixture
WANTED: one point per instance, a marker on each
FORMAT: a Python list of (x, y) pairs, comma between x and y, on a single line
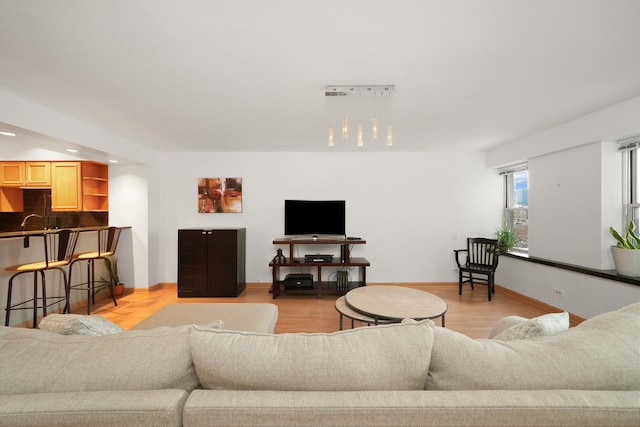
[(360, 104)]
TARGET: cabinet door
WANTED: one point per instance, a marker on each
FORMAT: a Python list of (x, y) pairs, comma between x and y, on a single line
[(66, 194), (192, 263), (38, 174), (223, 262), (12, 174), (11, 199)]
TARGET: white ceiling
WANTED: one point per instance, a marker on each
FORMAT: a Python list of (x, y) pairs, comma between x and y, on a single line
[(249, 75)]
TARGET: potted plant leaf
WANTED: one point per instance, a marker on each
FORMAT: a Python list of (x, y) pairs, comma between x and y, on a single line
[(626, 252), (118, 287), (507, 238)]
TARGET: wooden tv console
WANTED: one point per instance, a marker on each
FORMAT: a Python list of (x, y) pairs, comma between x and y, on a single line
[(320, 286)]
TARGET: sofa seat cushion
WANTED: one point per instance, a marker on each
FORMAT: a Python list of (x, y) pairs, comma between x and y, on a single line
[(153, 408), (393, 408), (78, 324), (541, 326), (387, 357), (600, 354), (37, 361)]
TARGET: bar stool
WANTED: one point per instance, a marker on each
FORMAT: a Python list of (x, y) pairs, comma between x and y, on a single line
[(107, 244), (58, 252)]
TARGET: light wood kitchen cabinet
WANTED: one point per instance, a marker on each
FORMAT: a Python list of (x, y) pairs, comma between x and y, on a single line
[(12, 174), (95, 187), (37, 174), (25, 174), (75, 186), (66, 186), (11, 199)]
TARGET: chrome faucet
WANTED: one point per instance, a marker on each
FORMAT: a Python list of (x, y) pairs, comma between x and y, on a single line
[(24, 221)]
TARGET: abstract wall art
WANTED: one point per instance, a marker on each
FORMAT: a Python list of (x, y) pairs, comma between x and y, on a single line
[(219, 195)]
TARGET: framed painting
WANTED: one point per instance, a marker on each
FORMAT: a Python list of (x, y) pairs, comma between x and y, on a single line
[(219, 195)]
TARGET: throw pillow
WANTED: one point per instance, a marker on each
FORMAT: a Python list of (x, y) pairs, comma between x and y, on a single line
[(78, 324), (506, 323), (542, 326), (217, 324), (388, 357)]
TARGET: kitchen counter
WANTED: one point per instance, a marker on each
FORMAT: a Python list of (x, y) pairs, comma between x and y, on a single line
[(21, 234)]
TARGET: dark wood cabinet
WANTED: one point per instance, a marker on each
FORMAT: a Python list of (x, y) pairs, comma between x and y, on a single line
[(211, 262)]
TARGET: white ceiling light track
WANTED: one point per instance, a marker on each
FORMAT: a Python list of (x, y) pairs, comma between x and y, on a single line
[(359, 104)]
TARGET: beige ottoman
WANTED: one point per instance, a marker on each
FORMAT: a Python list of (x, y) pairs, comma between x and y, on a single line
[(248, 317)]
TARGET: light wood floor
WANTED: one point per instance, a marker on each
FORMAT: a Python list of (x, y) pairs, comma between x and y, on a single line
[(470, 314)]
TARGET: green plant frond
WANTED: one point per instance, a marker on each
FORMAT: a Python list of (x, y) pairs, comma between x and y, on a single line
[(113, 268), (631, 239), (507, 238)]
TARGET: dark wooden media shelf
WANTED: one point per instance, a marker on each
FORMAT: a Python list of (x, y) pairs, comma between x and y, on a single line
[(339, 284)]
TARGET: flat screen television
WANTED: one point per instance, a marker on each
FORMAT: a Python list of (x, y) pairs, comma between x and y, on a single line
[(314, 217)]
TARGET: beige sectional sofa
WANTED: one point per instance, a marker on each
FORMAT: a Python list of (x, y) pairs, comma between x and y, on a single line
[(409, 374)]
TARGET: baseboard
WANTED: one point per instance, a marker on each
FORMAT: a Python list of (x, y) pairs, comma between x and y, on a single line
[(573, 319), (170, 285)]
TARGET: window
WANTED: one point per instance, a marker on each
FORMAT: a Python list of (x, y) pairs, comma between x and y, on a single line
[(516, 203), (631, 192)]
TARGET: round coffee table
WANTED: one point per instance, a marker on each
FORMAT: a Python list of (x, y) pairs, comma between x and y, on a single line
[(345, 311), (394, 303)]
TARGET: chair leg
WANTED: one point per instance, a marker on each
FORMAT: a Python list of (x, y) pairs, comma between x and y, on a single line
[(90, 291), (113, 294), (111, 283), (35, 298), (459, 282), (65, 279), (8, 309), (93, 281), (490, 286), (67, 307)]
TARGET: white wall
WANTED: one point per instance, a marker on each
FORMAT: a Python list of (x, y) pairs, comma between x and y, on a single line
[(567, 219), (128, 206), (408, 206), (615, 122), (575, 195), (584, 296)]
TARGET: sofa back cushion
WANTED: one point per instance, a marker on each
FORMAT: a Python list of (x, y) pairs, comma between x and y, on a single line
[(600, 354), (40, 361), (389, 357)]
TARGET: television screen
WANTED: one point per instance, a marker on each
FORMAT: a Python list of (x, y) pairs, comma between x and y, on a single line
[(314, 217)]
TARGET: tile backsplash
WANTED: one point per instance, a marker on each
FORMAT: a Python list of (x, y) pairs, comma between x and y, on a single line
[(38, 201)]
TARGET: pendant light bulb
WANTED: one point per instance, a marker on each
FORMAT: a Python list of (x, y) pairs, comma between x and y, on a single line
[(345, 128), (389, 136), (360, 137), (374, 128), (330, 136)]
